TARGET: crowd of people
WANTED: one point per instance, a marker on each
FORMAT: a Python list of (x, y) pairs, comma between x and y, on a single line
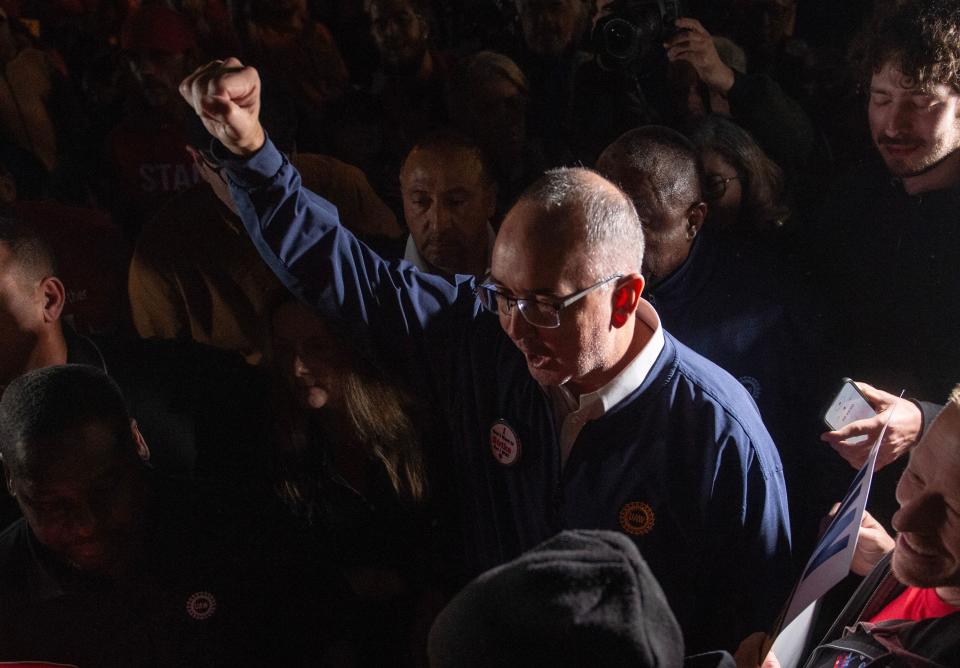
[(494, 333)]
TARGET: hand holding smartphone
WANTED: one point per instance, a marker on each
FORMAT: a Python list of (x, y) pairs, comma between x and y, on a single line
[(848, 406)]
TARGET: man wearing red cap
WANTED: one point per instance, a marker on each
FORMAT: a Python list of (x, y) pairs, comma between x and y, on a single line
[(148, 147)]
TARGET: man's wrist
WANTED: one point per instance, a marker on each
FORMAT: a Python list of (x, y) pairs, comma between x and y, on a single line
[(249, 171), (251, 145), (724, 80)]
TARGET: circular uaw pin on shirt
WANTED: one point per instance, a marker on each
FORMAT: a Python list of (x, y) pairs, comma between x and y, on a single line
[(201, 605), (752, 385), (504, 443), (637, 518)]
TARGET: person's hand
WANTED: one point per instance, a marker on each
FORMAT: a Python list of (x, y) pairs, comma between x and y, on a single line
[(753, 647), (695, 45), (902, 432), (873, 543), (226, 97)]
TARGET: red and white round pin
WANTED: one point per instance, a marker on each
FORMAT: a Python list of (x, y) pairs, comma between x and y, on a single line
[(504, 443)]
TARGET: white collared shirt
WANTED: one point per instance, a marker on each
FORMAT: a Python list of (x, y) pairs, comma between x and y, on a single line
[(571, 413), (412, 254)]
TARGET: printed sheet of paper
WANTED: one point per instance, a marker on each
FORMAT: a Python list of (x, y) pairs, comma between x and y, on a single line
[(793, 638), (833, 554)]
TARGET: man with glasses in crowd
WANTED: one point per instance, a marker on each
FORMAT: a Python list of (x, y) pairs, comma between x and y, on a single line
[(567, 403)]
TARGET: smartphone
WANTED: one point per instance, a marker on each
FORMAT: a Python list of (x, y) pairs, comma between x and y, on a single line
[(848, 406)]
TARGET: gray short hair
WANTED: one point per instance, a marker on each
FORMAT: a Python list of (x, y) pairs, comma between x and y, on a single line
[(578, 204)]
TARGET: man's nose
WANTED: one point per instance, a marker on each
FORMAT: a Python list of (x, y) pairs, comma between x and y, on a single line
[(918, 515), (391, 28), (85, 521), (515, 324), (298, 367), (439, 218), (899, 119)]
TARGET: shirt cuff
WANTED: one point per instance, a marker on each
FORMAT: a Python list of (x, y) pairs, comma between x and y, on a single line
[(251, 171), (928, 411)]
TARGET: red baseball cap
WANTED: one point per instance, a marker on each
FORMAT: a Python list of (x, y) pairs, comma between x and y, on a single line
[(157, 28)]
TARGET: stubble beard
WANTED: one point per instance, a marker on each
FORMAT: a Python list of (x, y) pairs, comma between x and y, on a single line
[(916, 571), (908, 166)]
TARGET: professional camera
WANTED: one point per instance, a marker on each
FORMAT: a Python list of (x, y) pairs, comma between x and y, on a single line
[(630, 28)]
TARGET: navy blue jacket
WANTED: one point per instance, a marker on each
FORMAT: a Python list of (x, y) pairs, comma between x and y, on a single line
[(733, 302), (715, 303), (684, 464)]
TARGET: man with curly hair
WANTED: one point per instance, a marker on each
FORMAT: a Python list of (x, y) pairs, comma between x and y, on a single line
[(913, 59), (891, 237)]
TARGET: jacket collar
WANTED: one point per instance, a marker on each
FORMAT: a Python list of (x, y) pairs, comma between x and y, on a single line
[(683, 285)]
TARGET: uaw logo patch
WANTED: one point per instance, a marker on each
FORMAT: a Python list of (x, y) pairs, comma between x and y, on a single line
[(752, 385), (201, 605), (504, 443), (637, 518)]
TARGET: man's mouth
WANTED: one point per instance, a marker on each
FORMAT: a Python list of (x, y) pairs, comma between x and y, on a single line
[(443, 242), (899, 147), (537, 361), (86, 552), (536, 357), (909, 546)]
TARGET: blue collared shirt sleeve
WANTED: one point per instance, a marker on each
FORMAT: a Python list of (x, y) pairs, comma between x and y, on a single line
[(299, 235)]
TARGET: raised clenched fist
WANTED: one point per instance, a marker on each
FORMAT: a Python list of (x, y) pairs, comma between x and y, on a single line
[(226, 97)]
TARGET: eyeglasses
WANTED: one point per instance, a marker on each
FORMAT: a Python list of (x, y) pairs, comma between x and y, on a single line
[(538, 313), (715, 185)]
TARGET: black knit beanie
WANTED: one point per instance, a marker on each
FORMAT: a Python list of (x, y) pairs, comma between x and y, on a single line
[(582, 598)]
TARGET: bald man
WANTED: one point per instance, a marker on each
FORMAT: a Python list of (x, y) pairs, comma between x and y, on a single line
[(567, 404)]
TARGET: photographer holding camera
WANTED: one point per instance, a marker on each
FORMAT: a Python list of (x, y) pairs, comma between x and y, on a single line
[(623, 85), (653, 64)]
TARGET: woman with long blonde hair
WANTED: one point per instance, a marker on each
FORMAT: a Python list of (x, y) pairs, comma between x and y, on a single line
[(351, 464)]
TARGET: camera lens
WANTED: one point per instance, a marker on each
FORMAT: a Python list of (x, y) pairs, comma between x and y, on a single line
[(629, 30), (619, 38)]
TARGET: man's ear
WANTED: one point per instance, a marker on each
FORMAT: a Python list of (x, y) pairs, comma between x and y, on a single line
[(626, 297), (696, 214), (54, 298), (143, 450)]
